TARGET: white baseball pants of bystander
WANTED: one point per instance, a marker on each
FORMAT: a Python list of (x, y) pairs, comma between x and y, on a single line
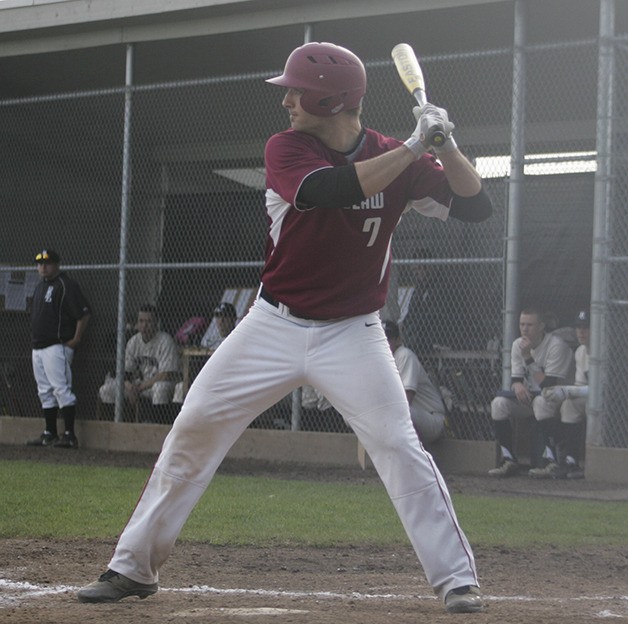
[(53, 375)]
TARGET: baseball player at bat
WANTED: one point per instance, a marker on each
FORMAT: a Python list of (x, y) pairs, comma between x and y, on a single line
[(335, 192)]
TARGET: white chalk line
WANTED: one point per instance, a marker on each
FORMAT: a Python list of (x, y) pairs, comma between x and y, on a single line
[(16, 592)]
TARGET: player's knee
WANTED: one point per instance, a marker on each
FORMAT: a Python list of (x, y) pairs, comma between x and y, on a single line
[(162, 392), (430, 432), (501, 408), (106, 394), (572, 413), (178, 394), (544, 410)]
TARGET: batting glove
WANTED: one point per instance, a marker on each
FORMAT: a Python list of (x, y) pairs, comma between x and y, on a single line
[(554, 394), (558, 394), (432, 117)]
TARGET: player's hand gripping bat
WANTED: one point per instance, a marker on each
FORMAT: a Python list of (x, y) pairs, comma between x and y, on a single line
[(412, 77)]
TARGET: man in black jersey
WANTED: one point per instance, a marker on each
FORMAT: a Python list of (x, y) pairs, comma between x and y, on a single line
[(59, 316)]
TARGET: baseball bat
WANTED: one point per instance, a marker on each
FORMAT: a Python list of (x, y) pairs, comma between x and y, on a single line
[(411, 75)]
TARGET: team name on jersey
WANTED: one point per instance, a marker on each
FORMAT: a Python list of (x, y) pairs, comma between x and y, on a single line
[(370, 203)]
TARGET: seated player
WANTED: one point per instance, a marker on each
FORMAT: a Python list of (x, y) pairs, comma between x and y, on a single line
[(151, 368)]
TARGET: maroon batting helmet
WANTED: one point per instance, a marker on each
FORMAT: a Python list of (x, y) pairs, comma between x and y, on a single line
[(332, 77)]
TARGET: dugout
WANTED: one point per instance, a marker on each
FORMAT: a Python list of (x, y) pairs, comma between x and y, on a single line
[(157, 183)]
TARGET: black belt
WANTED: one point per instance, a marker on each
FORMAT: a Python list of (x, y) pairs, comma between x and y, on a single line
[(266, 296)]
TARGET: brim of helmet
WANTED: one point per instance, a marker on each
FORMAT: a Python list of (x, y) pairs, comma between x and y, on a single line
[(284, 81)]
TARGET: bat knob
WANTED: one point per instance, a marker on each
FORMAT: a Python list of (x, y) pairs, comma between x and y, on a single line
[(435, 137)]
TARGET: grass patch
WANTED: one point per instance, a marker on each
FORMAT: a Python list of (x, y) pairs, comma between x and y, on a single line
[(523, 522), (61, 501)]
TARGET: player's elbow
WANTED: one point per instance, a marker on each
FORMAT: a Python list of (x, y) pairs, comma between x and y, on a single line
[(474, 209)]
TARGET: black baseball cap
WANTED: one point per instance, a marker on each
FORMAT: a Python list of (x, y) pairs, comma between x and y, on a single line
[(582, 319), (225, 309), (47, 256)]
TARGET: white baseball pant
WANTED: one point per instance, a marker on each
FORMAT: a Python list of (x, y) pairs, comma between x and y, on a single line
[(502, 408), (269, 354), (160, 393), (574, 410), (429, 425), (53, 375)]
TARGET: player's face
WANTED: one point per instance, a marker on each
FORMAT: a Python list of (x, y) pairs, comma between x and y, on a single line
[(531, 327), (225, 325), (47, 270), (583, 334), (146, 325), (299, 118)]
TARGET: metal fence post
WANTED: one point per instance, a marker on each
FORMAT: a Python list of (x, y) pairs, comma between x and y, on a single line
[(515, 188), (124, 235), (601, 233)]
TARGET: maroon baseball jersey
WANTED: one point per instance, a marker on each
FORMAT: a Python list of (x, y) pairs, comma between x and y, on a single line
[(332, 263)]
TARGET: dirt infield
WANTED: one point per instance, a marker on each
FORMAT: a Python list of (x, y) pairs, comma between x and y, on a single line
[(220, 585)]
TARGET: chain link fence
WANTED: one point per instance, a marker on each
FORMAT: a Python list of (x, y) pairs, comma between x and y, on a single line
[(175, 217)]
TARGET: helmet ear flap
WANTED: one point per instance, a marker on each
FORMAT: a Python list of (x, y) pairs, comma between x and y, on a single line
[(328, 102), (322, 104)]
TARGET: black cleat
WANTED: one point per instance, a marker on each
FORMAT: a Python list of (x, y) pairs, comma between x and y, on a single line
[(465, 599), (45, 439), (112, 586), (67, 440)]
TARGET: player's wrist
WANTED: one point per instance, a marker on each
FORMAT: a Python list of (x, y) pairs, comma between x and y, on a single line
[(415, 146)]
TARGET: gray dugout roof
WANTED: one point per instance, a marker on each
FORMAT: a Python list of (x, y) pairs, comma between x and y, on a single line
[(51, 46)]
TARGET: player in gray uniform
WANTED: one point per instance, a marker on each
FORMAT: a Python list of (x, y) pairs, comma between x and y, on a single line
[(59, 317), (426, 405), (538, 360), (151, 364), (573, 406), (335, 193)]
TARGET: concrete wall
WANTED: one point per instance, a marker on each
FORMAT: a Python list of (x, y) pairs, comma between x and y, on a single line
[(608, 465), (303, 447)]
